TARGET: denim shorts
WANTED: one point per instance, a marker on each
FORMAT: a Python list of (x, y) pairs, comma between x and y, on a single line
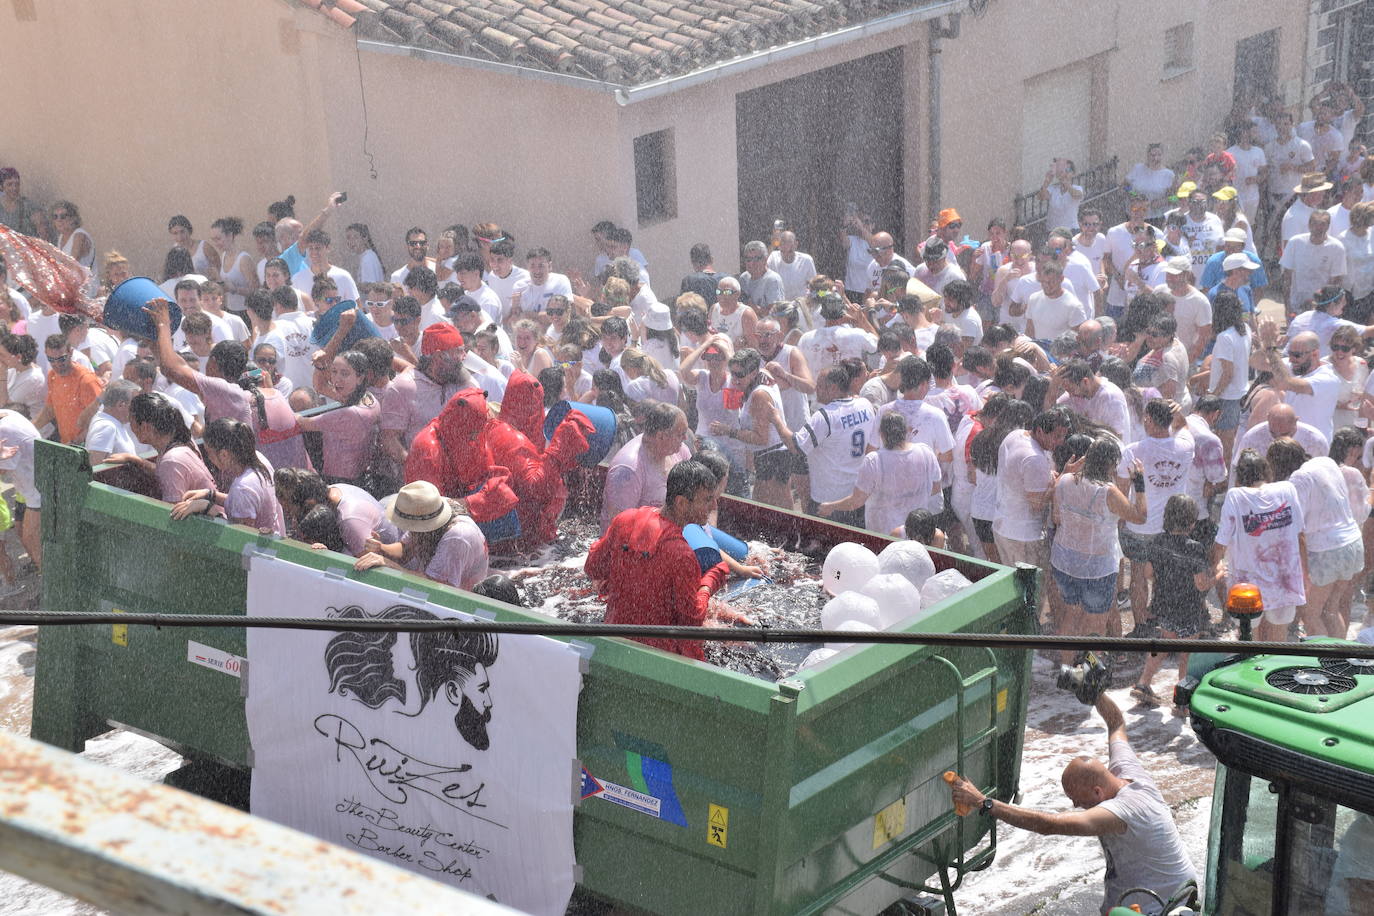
[(1230, 414), (1096, 596)]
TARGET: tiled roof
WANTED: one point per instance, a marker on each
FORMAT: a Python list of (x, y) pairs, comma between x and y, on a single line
[(622, 41)]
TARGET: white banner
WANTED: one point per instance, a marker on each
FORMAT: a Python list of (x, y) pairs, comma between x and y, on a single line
[(448, 754)]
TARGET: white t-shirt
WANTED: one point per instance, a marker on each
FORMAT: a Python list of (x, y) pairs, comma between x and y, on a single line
[(1287, 162), (1318, 408), (1107, 406), (1259, 437), (1205, 237), (1340, 220), (1259, 526), (534, 298), (926, 424), (1295, 220), (16, 430), (40, 327), (1052, 317), (1325, 499), (370, 267), (835, 440), (1149, 854), (875, 270), (856, 264), (1023, 467), (947, 275), (795, 275), (1167, 464), (897, 482), (1154, 183), (1324, 143), (108, 435), (1192, 311), (1359, 262), (1209, 461), (29, 387), (824, 347), (1234, 348), (1248, 165), (504, 286), (294, 360), (304, 279), (1323, 324), (1093, 251), (1313, 266), (1063, 206)]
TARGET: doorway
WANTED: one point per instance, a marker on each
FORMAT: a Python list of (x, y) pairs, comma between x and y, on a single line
[(810, 145)]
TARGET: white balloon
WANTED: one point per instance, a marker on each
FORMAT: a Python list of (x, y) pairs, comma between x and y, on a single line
[(897, 598), (851, 606), (907, 558), (816, 657), (847, 567), (851, 626), (941, 585)]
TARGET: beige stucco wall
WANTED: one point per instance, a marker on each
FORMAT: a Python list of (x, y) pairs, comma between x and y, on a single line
[(985, 70), (143, 109)]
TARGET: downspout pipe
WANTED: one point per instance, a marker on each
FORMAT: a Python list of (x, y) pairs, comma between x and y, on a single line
[(939, 30)]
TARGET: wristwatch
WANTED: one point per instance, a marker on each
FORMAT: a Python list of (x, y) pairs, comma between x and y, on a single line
[(985, 809)]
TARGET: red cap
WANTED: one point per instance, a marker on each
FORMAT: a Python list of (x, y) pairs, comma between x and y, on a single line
[(440, 337)]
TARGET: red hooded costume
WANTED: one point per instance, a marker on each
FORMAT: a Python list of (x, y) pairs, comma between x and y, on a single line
[(650, 575), (495, 467), (522, 406)]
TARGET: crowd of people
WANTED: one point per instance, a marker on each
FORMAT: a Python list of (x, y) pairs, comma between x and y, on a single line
[(1104, 402)]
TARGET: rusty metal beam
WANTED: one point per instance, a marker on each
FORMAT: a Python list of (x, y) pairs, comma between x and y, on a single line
[(131, 846)]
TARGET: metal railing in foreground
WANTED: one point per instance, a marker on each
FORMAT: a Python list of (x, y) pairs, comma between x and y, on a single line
[(130, 846), (701, 634)]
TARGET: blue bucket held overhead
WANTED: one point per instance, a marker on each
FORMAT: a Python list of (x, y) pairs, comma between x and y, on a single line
[(601, 439), (328, 323), (124, 308)]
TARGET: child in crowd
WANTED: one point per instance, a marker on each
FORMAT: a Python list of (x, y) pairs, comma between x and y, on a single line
[(920, 526)]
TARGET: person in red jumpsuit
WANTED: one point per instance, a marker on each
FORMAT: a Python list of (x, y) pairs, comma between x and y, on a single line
[(522, 406), (495, 468), (646, 571)]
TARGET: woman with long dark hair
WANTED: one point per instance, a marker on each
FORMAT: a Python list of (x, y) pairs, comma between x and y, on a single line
[(1230, 368), (983, 452), (156, 420), (1085, 555), (350, 430), (358, 239), (250, 499), (237, 271), (358, 514)]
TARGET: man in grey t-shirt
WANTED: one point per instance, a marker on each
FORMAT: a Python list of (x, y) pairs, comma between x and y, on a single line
[(1123, 809)]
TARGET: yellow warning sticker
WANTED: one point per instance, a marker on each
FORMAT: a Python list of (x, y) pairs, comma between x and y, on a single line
[(889, 823), (1002, 700), (717, 825), (119, 632)]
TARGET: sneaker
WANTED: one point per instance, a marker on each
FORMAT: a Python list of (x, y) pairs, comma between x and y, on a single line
[(1145, 695)]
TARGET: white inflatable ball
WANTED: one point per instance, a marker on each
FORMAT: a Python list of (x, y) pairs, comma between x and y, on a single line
[(816, 657), (897, 598), (847, 567), (850, 626), (941, 585), (907, 558), (851, 606)]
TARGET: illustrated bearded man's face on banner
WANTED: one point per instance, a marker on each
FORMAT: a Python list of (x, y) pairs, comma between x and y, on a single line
[(362, 666)]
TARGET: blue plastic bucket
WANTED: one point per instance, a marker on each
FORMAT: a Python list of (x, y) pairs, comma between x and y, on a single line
[(730, 544), (703, 545), (501, 529), (124, 308), (328, 323), (600, 440)]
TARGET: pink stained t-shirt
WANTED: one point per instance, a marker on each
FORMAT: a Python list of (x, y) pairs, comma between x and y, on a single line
[(349, 436), (253, 498), (288, 452), (224, 399), (460, 559), (179, 469), (360, 514), (411, 400)]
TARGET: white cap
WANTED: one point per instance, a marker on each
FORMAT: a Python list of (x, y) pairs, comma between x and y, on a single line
[(658, 318), (1239, 259), (1178, 264), (1237, 234)]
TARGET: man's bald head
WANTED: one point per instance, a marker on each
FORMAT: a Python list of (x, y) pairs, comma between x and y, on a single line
[(1090, 336), (1087, 782), (883, 248), (1283, 421), (1021, 248)]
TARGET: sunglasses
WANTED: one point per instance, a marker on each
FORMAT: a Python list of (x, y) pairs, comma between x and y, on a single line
[(61, 216), (954, 225), (570, 363), (727, 292), (556, 312), (932, 258), (417, 243), (879, 249), (58, 359), (266, 361), (376, 305), (717, 358), (738, 373), (1343, 348)]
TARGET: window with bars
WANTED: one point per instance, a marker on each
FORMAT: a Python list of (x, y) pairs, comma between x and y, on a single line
[(1178, 50)]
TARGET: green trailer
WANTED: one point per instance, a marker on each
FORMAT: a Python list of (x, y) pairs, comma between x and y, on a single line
[(821, 793)]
